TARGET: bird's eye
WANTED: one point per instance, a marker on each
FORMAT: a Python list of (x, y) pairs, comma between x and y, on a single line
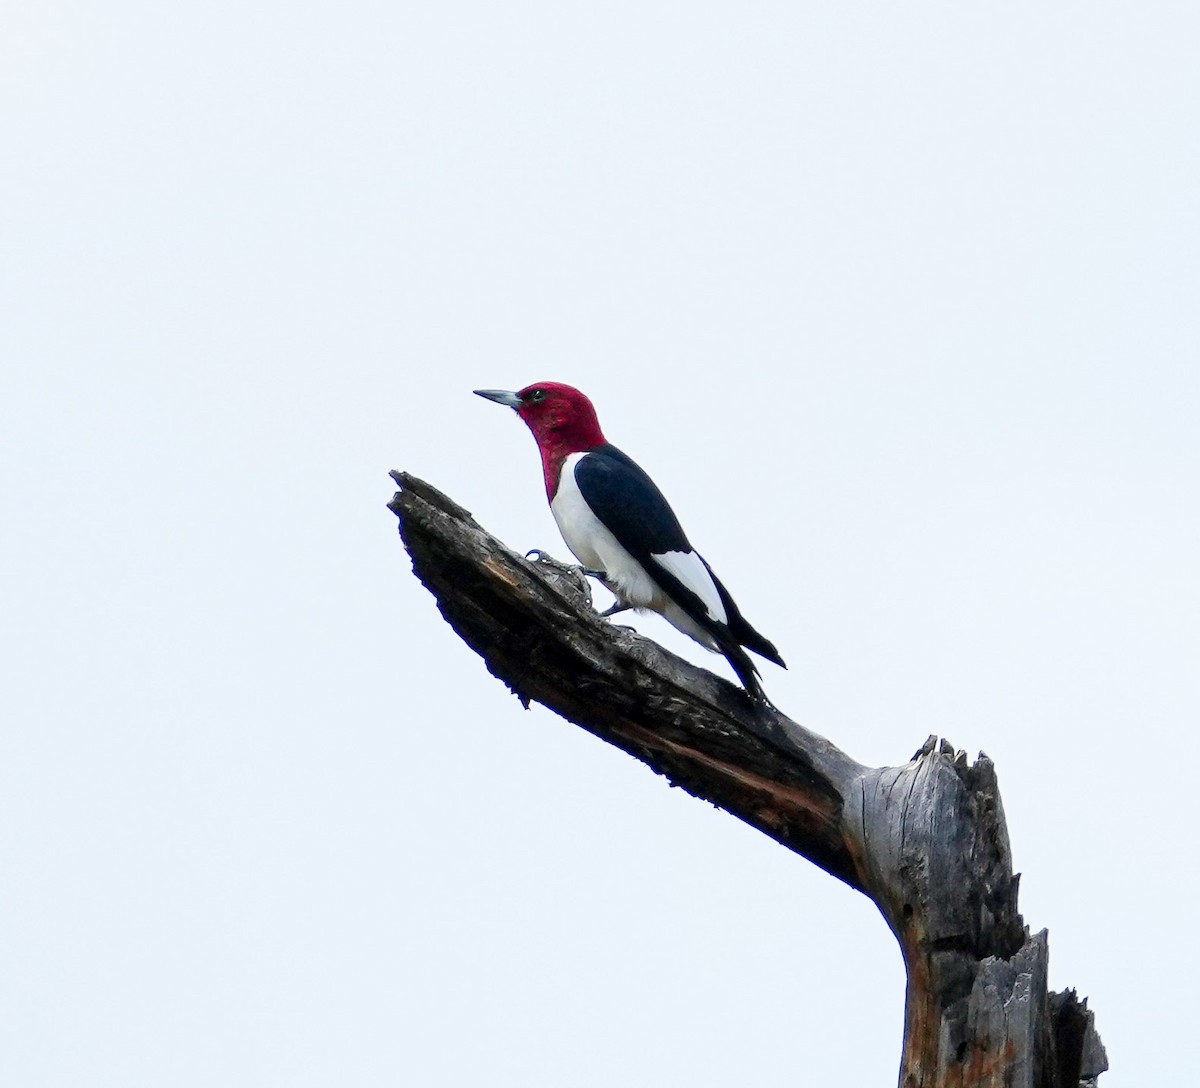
[(536, 395)]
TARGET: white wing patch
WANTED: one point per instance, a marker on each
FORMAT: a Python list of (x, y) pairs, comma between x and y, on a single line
[(691, 572)]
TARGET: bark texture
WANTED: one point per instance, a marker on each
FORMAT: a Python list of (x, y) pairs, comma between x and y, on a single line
[(925, 841)]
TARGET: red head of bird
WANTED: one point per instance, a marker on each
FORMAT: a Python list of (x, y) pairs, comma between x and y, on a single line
[(561, 418)]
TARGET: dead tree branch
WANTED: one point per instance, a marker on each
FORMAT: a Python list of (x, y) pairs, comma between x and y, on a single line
[(925, 841)]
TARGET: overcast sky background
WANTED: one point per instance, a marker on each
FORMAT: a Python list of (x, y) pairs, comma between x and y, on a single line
[(899, 305)]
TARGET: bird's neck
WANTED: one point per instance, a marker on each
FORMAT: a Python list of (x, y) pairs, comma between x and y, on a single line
[(554, 455)]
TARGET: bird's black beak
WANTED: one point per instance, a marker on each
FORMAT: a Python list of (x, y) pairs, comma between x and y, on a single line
[(500, 396)]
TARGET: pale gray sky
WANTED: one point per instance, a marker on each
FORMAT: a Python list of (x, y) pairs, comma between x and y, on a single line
[(898, 304)]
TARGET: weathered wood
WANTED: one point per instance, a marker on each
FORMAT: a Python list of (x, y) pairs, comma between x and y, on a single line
[(926, 841), (532, 624)]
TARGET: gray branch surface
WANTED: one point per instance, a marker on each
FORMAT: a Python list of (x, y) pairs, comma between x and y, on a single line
[(926, 841)]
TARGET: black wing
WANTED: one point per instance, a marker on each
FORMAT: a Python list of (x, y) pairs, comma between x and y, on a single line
[(633, 509)]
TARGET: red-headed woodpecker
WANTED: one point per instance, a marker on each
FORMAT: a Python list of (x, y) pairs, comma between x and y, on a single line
[(622, 530)]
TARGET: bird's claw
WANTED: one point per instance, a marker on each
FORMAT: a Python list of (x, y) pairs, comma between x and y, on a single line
[(576, 570), (539, 556)]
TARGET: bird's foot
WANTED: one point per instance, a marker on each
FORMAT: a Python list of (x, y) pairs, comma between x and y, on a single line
[(576, 570), (539, 556)]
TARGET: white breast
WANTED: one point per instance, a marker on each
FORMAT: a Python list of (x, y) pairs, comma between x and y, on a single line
[(595, 547)]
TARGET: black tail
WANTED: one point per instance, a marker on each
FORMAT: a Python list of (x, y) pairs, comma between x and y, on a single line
[(752, 640), (733, 637), (746, 670), (743, 632)]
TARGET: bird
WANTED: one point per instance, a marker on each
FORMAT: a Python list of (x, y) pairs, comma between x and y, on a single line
[(623, 531)]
